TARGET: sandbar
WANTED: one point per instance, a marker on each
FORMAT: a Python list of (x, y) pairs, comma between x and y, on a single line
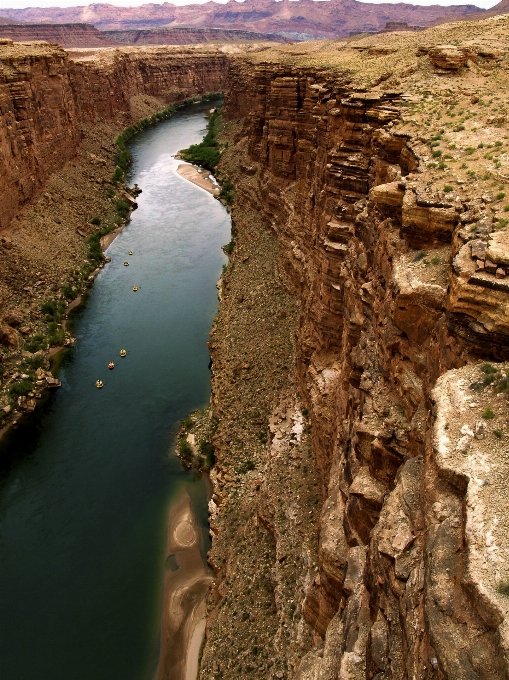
[(201, 179), (185, 593)]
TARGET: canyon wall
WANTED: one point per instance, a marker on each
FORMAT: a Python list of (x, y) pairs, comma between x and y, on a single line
[(67, 35), (184, 36), (302, 20), (45, 98), (396, 309)]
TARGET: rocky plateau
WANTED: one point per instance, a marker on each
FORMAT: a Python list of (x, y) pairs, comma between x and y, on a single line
[(296, 20)]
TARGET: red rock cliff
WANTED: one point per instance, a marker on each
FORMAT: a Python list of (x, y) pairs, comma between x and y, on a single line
[(45, 97), (410, 584)]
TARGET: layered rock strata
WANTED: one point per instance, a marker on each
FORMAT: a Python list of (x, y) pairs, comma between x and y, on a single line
[(399, 278), (45, 98), (67, 35), (302, 20)]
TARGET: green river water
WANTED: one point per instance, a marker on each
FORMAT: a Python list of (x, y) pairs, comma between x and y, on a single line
[(83, 508)]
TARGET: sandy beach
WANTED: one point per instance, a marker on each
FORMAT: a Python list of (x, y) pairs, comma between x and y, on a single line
[(185, 591), (201, 179)]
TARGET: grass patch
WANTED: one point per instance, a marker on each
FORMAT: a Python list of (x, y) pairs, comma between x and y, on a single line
[(419, 255), (488, 414)]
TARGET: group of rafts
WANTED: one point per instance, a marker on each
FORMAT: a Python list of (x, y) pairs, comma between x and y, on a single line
[(123, 353)]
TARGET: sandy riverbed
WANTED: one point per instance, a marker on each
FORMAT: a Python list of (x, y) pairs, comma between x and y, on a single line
[(185, 591), (201, 179)]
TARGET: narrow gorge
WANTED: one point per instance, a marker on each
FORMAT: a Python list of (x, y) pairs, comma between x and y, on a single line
[(359, 516)]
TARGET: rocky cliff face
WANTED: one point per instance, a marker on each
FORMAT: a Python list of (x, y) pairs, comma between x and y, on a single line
[(393, 263), (46, 98), (67, 35), (302, 20), (184, 36)]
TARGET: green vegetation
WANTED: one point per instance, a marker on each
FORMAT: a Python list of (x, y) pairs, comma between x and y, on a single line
[(419, 255), (206, 153), (448, 187), (20, 389), (227, 193), (503, 588), (488, 414), (208, 457), (246, 467), (95, 221), (185, 451)]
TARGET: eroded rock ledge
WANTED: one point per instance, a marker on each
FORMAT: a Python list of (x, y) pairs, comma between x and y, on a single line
[(398, 271)]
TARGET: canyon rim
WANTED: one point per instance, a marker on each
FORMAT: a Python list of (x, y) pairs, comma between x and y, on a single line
[(359, 377)]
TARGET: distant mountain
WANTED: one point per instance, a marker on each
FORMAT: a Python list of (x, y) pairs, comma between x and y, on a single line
[(302, 19), (86, 35)]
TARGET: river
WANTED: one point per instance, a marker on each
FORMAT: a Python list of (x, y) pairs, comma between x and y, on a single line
[(83, 509)]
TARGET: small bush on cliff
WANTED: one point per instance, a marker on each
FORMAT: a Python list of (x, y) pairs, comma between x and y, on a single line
[(36, 343), (227, 193), (20, 389)]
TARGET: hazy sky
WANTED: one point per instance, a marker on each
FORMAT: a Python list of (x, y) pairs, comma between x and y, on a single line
[(126, 3)]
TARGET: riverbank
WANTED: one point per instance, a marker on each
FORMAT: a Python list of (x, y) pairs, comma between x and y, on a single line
[(185, 595), (202, 178)]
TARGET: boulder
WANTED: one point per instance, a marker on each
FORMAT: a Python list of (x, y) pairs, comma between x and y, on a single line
[(13, 317), (448, 57), (9, 337)]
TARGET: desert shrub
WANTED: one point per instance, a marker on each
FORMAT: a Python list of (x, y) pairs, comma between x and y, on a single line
[(227, 192), (20, 389), (185, 450), (207, 451), (488, 413), (419, 255)]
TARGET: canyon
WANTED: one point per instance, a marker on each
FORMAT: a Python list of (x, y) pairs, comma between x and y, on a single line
[(359, 410), (302, 20)]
